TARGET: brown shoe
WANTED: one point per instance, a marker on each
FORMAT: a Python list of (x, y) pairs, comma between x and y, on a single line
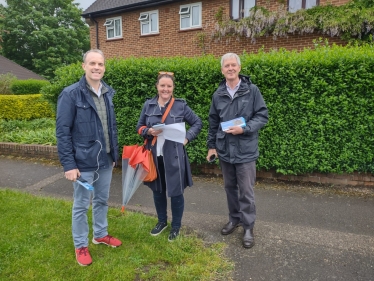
[(229, 228), (248, 238)]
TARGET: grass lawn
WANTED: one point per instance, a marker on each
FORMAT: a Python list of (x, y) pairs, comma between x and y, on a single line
[(36, 244)]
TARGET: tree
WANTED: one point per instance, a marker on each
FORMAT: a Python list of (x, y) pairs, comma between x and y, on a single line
[(2, 12), (42, 35)]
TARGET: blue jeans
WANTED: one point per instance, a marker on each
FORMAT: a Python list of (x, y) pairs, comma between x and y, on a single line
[(82, 200), (160, 200)]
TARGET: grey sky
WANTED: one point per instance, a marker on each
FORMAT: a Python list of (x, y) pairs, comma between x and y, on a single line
[(84, 4)]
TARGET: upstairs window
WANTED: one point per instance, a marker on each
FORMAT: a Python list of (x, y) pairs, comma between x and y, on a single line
[(295, 5), (240, 8), (113, 28), (190, 16), (148, 22)]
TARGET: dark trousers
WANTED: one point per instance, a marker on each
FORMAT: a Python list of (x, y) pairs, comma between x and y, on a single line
[(239, 180), (160, 199)]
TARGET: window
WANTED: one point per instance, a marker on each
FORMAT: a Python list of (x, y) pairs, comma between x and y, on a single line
[(240, 8), (190, 16), (294, 5), (113, 28), (148, 22)]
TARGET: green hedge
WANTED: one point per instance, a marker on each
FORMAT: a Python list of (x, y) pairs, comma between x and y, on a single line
[(27, 87), (320, 102), (25, 107)]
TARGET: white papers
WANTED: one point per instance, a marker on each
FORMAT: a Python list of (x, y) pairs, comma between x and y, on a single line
[(174, 132)]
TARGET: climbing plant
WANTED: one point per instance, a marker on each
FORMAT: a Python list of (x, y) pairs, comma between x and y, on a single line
[(353, 21)]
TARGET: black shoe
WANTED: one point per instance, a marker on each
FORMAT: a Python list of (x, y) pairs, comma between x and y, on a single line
[(248, 238), (229, 227), (173, 234), (160, 226)]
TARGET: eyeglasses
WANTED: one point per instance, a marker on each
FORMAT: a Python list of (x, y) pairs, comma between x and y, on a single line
[(165, 72)]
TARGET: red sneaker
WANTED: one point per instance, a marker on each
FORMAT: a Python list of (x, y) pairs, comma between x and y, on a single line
[(107, 240), (83, 256)]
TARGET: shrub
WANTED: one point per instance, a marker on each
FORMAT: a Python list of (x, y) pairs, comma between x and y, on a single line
[(25, 107), (6, 81), (27, 87), (320, 103)]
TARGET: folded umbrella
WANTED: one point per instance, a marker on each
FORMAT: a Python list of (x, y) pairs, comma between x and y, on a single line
[(135, 167)]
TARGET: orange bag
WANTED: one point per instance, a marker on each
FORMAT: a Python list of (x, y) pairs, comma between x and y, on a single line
[(152, 174)]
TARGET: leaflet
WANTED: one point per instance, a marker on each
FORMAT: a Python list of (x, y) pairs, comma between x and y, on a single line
[(85, 184), (234, 122)]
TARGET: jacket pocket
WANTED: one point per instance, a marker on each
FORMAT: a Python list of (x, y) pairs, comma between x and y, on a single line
[(248, 144), (221, 141), (86, 154), (176, 118), (86, 119)]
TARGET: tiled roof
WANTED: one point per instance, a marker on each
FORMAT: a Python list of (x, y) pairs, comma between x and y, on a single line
[(8, 66), (108, 6)]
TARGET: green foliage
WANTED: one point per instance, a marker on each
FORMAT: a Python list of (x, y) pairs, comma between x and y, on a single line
[(321, 109), (29, 86), (320, 103), (43, 249), (42, 35), (6, 81), (38, 131), (24, 107), (364, 3), (352, 21)]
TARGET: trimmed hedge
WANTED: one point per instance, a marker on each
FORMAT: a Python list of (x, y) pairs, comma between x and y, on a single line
[(27, 87), (320, 102), (25, 107)]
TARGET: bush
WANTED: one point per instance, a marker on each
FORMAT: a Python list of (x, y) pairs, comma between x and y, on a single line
[(320, 103), (6, 81), (25, 107), (27, 87)]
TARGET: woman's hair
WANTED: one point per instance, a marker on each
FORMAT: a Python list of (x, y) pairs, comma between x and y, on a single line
[(166, 75)]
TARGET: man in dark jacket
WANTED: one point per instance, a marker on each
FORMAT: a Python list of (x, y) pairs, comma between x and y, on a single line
[(87, 145), (237, 146)]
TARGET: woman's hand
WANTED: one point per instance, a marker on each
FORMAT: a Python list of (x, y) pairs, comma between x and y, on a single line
[(153, 132)]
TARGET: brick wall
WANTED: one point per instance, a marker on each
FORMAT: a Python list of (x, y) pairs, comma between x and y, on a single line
[(171, 41), (28, 150), (355, 179)]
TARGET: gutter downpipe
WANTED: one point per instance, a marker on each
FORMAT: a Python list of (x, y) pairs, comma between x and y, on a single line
[(97, 31)]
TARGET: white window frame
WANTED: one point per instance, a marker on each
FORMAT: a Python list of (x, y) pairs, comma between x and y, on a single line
[(240, 8), (303, 4), (185, 11), (146, 19), (110, 25)]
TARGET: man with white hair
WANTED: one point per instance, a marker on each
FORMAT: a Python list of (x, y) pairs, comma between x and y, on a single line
[(236, 98)]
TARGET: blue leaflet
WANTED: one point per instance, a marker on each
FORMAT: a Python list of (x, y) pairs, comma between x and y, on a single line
[(234, 122), (85, 184)]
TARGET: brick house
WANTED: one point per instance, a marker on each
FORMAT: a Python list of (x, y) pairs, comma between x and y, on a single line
[(183, 27)]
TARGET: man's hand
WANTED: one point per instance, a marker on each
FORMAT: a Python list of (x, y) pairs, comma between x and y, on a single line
[(211, 152), (235, 130), (72, 175)]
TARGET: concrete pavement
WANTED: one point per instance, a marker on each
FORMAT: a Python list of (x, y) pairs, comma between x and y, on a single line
[(299, 235)]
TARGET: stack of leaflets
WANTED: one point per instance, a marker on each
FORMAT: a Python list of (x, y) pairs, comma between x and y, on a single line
[(234, 122)]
